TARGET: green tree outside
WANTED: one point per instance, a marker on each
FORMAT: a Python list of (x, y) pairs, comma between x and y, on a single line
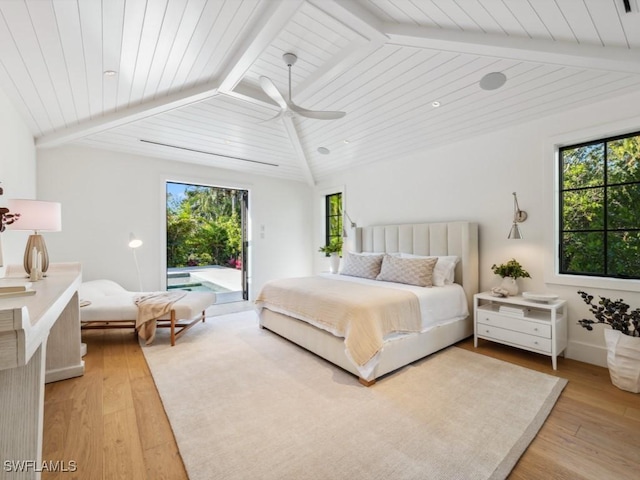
[(204, 227), (600, 198)]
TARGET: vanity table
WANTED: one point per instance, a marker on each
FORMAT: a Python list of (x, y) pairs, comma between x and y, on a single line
[(39, 343)]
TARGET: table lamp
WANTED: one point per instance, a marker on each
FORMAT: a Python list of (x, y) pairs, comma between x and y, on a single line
[(38, 216)]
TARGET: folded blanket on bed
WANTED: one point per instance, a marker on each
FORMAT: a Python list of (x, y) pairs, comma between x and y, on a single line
[(362, 314), (152, 306)]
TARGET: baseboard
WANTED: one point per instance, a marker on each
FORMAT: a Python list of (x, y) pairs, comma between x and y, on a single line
[(64, 373), (588, 353)]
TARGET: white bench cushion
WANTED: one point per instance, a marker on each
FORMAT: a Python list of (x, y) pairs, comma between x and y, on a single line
[(111, 302)]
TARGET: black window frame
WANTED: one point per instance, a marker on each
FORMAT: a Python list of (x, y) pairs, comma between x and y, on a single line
[(606, 186), (333, 218)]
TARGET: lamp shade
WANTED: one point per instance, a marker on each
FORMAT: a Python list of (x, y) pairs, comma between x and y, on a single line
[(36, 215)]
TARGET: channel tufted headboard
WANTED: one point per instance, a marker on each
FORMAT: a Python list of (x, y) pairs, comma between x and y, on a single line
[(443, 238)]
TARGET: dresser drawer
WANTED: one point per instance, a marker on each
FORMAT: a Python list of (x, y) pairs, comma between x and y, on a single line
[(515, 324), (516, 338)]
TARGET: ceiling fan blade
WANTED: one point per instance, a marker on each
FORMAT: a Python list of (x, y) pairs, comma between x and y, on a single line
[(270, 89), (316, 114)]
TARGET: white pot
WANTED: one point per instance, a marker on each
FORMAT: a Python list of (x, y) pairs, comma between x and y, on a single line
[(623, 360), (510, 285), (334, 262)]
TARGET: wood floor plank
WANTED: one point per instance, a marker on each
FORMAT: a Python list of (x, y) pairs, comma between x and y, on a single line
[(112, 422)]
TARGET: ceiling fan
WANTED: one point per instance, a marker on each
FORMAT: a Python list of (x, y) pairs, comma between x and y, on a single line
[(288, 107)]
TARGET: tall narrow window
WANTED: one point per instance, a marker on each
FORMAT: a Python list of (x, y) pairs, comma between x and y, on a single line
[(333, 219), (599, 214)]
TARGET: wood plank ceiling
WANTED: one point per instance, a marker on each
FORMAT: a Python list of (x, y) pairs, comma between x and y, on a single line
[(186, 82)]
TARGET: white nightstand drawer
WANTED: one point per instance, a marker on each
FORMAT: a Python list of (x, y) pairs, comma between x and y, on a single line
[(516, 324), (516, 338)]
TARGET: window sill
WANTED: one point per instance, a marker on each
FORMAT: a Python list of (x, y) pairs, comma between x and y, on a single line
[(594, 282)]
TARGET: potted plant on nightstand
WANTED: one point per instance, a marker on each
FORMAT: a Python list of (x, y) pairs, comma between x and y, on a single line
[(510, 272), (333, 250), (622, 339)]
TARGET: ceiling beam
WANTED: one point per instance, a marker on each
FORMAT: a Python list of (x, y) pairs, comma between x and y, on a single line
[(123, 117), (358, 20), (294, 137), (269, 25), (274, 18), (611, 59)]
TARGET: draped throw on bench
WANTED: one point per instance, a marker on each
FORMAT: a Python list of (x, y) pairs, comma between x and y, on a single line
[(152, 306)]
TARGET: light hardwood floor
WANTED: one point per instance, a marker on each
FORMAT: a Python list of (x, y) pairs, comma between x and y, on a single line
[(112, 424)]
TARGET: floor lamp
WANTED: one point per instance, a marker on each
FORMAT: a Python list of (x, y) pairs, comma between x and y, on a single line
[(134, 244), (37, 216)]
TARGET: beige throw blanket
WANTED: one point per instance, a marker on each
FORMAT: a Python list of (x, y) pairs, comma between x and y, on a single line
[(152, 306), (362, 314)]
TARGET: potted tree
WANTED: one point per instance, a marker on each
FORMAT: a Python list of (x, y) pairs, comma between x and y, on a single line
[(510, 272), (622, 339), (333, 249)]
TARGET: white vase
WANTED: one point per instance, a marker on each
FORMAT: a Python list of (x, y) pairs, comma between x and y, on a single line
[(334, 262), (623, 360), (510, 285)]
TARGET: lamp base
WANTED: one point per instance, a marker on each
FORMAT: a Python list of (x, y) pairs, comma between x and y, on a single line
[(35, 241)]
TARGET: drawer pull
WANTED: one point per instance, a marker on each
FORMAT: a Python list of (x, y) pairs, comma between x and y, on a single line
[(486, 331), (487, 319), (535, 343), (535, 329)]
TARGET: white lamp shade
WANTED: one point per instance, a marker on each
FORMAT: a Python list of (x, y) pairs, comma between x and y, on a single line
[(134, 242), (36, 215)]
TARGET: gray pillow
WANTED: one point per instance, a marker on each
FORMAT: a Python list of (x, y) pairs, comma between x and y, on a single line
[(364, 266), (412, 271)]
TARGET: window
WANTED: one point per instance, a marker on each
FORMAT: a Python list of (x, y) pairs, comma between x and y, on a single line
[(599, 208), (333, 219)]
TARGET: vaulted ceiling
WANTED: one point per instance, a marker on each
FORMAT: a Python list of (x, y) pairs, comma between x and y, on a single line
[(185, 83)]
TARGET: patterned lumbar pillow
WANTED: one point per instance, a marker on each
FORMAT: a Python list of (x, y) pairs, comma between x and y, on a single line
[(365, 266), (413, 271)]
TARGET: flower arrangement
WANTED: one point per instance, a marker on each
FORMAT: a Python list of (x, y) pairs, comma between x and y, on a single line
[(6, 218), (615, 313), (510, 269)]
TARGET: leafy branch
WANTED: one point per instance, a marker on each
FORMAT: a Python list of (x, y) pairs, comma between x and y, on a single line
[(615, 313)]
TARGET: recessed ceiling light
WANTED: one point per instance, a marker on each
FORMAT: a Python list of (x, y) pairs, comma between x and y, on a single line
[(345, 141), (435, 104), (110, 73), (493, 80), (324, 150), (228, 142)]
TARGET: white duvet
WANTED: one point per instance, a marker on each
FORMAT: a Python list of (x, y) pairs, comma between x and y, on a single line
[(438, 305)]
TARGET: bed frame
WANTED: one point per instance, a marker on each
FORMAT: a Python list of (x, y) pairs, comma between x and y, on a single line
[(447, 238)]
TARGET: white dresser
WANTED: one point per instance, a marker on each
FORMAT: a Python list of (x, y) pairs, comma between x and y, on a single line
[(535, 326), (39, 343)]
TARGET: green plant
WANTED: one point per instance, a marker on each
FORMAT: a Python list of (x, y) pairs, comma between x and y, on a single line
[(510, 269), (614, 313), (335, 246)]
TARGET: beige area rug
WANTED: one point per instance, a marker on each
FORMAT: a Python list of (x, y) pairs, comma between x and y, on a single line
[(246, 404)]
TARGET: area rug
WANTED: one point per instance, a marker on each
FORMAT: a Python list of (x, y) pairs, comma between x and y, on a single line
[(246, 404)]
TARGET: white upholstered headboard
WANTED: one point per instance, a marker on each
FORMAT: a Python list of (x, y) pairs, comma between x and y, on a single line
[(444, 238)]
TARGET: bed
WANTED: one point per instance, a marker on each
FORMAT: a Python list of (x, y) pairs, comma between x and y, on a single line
[(399, 348)]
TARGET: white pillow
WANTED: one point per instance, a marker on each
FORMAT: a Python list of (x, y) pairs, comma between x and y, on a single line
[(444, 271)]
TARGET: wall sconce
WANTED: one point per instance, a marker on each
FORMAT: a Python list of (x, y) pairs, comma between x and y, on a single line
[(353, 224), (40, 217), (519, 216)]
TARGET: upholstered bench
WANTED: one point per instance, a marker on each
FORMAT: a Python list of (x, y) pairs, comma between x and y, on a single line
[(105, 304)]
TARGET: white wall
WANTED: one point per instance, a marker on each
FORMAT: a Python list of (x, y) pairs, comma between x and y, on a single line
[(17, 172), (474, 180), (106, 195)]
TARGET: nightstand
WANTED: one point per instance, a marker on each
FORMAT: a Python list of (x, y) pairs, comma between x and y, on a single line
[(535, 326)]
